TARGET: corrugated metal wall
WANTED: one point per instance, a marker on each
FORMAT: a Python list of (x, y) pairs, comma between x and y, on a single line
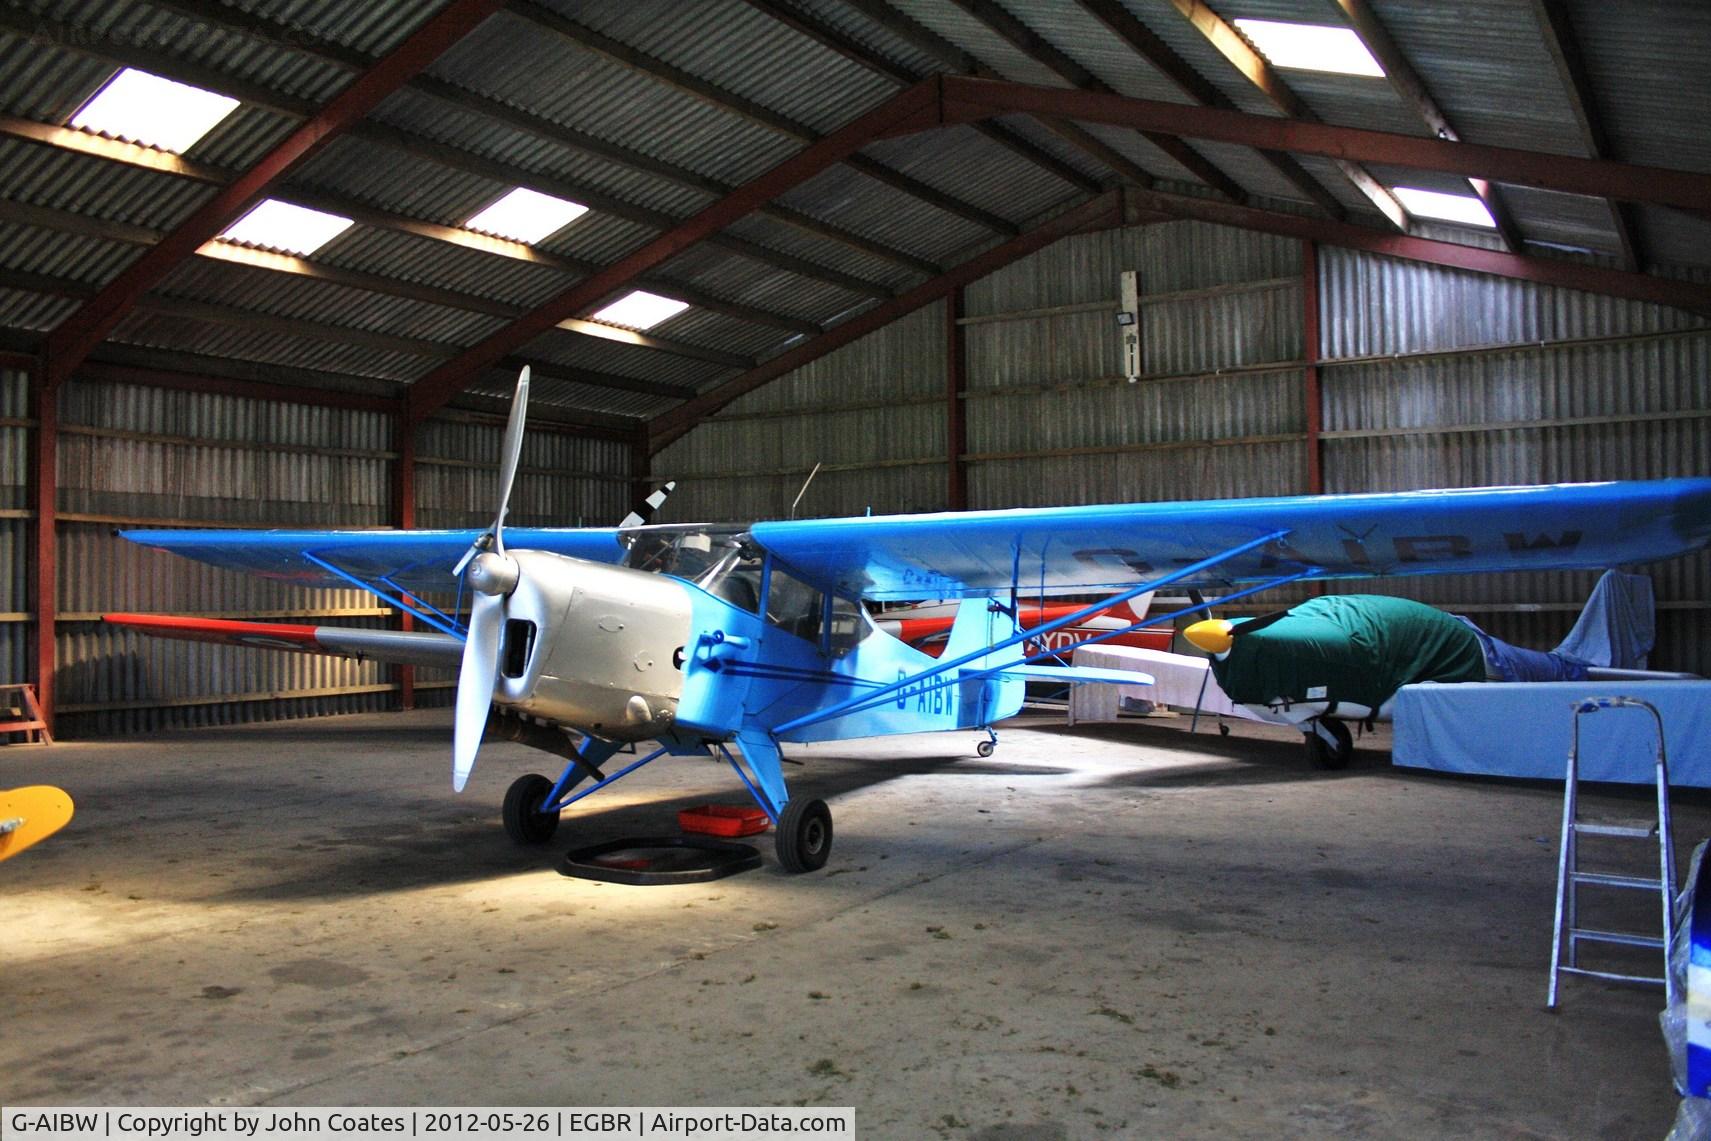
[(1051, 418), (141, 456), (871, 413), (1438, 378), (1429, 377)]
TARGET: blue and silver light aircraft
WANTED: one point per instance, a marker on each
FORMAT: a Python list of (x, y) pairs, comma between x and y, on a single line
[(699, 638)]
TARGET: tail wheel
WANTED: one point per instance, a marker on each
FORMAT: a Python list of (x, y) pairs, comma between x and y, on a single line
[(1332, 754), (525, 823), (804, 838)]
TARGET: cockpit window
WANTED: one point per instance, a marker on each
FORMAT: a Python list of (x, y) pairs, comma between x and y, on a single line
[(850, 624), (735, 578), (794, 606), (720, 561)]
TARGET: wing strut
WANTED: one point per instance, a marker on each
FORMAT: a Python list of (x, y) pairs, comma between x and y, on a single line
[(397, 600), (875, 697)]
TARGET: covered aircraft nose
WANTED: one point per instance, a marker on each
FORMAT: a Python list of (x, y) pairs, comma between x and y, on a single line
[(1211, 635)]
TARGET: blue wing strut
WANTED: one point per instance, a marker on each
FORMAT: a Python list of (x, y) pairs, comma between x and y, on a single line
[(433, 617), (940, 669)]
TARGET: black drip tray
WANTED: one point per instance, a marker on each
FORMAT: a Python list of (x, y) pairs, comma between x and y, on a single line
[(660, 860)]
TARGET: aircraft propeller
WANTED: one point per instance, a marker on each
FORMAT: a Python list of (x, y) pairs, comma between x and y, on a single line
[(492, 575), (1215, 636)]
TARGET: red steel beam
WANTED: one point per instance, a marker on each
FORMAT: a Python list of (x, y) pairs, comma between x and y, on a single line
[(967, 100), (1693, 296), (44, 565), (73, 339), (1103, 212), (910, 110)]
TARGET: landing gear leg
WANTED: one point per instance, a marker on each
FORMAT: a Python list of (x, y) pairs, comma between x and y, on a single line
[(1329, 743), (525, 823), (986, 747), (804, 839)]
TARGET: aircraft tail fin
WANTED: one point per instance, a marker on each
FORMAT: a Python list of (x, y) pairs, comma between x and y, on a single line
[(1617, 626), (977, 626)]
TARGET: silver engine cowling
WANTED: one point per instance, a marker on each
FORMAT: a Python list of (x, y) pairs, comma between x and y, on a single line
[(591, 646)]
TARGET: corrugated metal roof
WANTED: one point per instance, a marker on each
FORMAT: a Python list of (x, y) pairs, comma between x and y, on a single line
[(715, 95), (83, 184), (738, 50)]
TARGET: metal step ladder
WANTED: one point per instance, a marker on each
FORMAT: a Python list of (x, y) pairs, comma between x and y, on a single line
[(1567, 936)]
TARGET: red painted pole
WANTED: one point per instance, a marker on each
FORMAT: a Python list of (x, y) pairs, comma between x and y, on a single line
[(45, 564)]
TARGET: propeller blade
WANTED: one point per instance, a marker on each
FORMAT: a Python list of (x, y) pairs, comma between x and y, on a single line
[(645, 511), (475, 680), (510, 456)]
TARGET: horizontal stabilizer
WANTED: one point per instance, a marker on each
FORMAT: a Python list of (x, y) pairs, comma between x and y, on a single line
[(1072, 675), (401, 647)]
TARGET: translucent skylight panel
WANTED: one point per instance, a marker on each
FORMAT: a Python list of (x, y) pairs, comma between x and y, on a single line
[(526, 215), (1463, 208), (640, 310), (143, 108), (288, 229), (1310, 47)]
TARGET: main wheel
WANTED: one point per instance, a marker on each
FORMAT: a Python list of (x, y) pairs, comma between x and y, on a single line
[(525, 823), (985, 748), (1332, 754), (804, 837)]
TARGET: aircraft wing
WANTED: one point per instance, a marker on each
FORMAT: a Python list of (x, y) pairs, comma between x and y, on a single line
[(410, 560), (1112, 547), (404, 647)]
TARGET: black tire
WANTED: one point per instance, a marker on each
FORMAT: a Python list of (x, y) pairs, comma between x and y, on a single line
[(804, 839), (1325, 755), (525, 823), (985, 748)]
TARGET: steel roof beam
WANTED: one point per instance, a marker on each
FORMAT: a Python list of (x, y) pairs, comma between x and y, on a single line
[(128, 364), (62, 35), (1145, 43), (911, 110), (1689, 295), (864, 56), (962, 63), (214, 313), (1557, 30), (444, 155), (71, 341), (1025, 40), (662, 72), (966, 99), (329, 51), (124, 232), (1102, 212), (1414, 94)]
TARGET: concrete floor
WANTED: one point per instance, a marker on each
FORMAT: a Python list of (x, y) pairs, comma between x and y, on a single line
[(1112, 931)]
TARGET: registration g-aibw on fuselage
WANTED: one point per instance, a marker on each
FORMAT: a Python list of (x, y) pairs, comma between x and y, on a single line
[(738, 640)]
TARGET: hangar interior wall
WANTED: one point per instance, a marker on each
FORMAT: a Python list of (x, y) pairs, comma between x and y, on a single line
[(1428, 377), (135, 456)]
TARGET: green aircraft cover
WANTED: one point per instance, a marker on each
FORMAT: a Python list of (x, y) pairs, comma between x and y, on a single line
[(1358, 648)]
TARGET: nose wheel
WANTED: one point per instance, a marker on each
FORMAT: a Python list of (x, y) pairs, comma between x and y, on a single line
[(1329, 744), (804, 837), (525, 823)]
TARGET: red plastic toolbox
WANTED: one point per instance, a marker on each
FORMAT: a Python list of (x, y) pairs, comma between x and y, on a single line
[(724, 820)]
